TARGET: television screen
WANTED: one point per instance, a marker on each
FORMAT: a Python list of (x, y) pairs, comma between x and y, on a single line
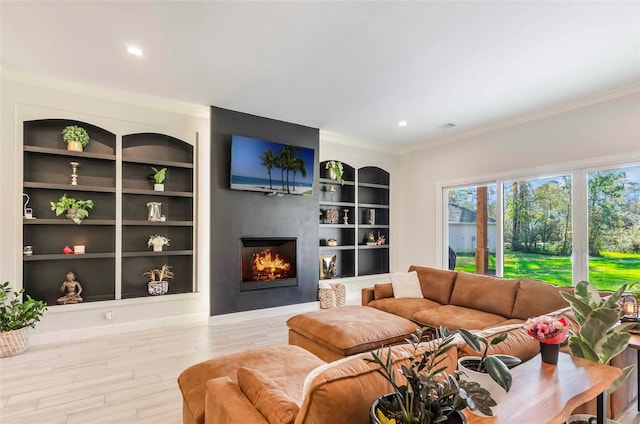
[(266, 166)]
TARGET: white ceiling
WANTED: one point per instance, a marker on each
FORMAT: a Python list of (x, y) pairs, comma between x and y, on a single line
[(349, 68)]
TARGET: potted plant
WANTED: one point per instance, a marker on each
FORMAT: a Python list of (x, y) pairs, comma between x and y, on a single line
[(15, 318), (601, 336), (76, 138), (157, 284), (490, 371), (77, 209), (335, 170), (157, 241), (332, 242), (159, 176), (431, 395)]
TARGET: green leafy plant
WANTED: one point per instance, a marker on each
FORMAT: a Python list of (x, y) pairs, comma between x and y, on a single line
[(15, 314), (75, 133), (601, 336), (159, 275), (336, 167), (69, 203), (158, 176), (430, 394), (497, 366)]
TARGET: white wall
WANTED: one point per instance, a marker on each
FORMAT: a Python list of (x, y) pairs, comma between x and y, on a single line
[(27, 97), (597, 133)]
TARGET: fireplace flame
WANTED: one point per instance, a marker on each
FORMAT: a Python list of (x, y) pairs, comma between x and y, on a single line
[(270, 267)]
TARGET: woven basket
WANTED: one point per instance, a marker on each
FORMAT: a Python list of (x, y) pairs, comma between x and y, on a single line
[(340, 292), (326, 298), (13, 342)]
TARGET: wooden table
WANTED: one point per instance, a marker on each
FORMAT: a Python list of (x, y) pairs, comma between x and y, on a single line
[(634, 342), (547, 394)]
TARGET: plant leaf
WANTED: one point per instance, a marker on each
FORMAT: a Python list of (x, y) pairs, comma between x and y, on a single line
[(499, 372)]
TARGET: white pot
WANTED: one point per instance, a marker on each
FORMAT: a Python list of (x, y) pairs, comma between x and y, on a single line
[(157, 248), (158, 187), (485, 380), (585, 417)]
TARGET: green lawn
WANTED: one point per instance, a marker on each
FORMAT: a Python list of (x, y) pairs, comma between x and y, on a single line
[(606, 272)]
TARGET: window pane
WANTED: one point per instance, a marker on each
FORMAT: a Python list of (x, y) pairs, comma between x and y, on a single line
[(537, 229), (466, 250), (614, 227)]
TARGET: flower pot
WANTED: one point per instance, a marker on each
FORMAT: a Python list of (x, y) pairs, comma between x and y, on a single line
[(157, 248), (74, 146), (484, 379), (332, 174), (158, 288), (158, 187), (456, 417), (332, 242), (549, 353), (586, 419), (13, 342), (72, 214)]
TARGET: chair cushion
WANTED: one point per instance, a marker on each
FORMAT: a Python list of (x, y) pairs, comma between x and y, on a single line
[(267, 396), (382, 291), (406, 285), (436, 284), (484, 293)]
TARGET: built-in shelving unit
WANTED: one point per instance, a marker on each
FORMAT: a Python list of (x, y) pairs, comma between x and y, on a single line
[(370, 190), (112, 170)]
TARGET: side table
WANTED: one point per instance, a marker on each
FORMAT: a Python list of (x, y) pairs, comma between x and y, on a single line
[(550, 392)]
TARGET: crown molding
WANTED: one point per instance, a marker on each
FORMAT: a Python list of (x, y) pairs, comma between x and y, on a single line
[(333, 137), (113, 94)]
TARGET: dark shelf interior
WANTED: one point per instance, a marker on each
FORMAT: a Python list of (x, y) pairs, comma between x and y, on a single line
[(49, 169), (134, 284), (135, 176), (151, 148), (47, 133)]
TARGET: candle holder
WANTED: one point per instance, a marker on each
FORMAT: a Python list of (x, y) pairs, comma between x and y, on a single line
[(345, 218), (154, 212), (629, 308), (74, 174)]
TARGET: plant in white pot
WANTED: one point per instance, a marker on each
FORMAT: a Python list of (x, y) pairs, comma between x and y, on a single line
[(16, 317), (490, 371), (157, 241), (76, 209), (336, 170), (159, 176), (601, 336), (157, 284), (76, 138)]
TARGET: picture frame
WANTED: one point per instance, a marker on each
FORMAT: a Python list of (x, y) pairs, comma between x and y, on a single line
[(327, 267)]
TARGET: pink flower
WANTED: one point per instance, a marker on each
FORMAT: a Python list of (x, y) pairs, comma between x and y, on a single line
[(547, 329)]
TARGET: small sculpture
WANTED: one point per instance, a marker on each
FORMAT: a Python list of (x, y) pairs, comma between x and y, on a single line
[(70, 290), (74, 174), (332, 216), (345, 218), (154, 212)]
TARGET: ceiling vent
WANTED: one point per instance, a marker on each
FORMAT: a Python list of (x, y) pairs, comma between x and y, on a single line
[(447, 126)]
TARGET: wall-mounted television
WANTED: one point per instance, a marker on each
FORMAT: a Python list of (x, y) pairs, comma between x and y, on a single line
[(269, 167)]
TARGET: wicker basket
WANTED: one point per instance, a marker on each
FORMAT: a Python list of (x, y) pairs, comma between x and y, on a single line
[(326, 298), (13, 342), (340, 293)]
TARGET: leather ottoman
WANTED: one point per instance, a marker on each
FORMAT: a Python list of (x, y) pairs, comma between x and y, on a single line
[(336, 333)]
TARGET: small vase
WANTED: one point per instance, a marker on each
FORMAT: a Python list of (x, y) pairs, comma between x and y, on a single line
[(158, 187), (158, 288), (332, 174), (549, 353), (157, 248), (74, 146)]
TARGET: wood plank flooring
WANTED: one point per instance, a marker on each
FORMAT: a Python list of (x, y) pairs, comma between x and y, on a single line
[(129, 377), (124, 378)]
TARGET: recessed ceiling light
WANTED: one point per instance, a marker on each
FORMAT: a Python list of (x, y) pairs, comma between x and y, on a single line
[(136, 51), (402, 123)]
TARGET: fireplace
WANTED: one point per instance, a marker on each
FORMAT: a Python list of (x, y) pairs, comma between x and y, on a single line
[(268, 262)]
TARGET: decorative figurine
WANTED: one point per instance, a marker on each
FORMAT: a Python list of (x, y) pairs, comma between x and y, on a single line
[(154, 211), (371, 239), (332, 216), (70, 290), (74, 175), (372, 217), (28, 212), (331, 190)]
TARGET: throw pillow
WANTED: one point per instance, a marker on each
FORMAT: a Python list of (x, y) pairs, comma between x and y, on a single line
[(406, 285), (268, 398)]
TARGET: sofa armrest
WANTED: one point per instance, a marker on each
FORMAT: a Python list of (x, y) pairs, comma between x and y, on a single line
[(226, 404), (367, 295)]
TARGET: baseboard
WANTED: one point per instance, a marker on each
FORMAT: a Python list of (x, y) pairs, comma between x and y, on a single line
[(298, 308), (109, 329)]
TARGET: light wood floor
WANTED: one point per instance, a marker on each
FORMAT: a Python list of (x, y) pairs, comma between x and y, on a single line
[(130, 377)]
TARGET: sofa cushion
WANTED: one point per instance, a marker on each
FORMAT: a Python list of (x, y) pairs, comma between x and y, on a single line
[(225, 403), (406, 285), (351, 329), (344, 393), (536, 298), (454, 317), (484, 293), (267, 396), (403, 307), (382, 291), (436, 284), (518, 343)]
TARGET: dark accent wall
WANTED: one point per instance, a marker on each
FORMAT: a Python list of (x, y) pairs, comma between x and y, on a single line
[(236, 214)]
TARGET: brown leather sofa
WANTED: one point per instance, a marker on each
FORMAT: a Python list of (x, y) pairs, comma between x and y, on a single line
[(491, 306), (286, 384)]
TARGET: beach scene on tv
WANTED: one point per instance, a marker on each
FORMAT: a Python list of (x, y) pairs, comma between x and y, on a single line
[(260, 165)]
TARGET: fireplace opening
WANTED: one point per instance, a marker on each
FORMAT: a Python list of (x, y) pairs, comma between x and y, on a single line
[(268, 262)]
